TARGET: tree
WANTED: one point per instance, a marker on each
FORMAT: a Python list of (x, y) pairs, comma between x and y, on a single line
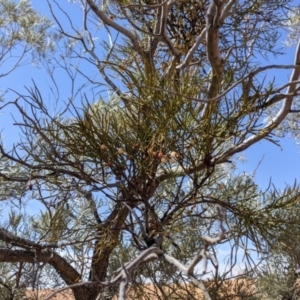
[(23, 40), (282, 263), (135, 173), (23, 35)]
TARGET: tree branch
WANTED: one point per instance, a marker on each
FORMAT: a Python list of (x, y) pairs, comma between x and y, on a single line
[(116, 26), (63, 268), (184, 269), (283, 112)]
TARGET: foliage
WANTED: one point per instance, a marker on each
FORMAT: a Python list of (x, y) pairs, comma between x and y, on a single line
[(24, 35), (133, 177), (282, 264), (292, 25)]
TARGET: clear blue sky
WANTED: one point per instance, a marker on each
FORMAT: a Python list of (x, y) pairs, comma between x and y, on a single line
[(282, 165)]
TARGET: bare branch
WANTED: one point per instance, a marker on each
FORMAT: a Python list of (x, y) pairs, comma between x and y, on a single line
[(66, 271), (284, 111), (116, 26), (182, 268), (123, 284), (12, 239)]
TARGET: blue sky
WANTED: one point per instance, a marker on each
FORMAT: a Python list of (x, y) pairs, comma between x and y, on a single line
[(271, 162)]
